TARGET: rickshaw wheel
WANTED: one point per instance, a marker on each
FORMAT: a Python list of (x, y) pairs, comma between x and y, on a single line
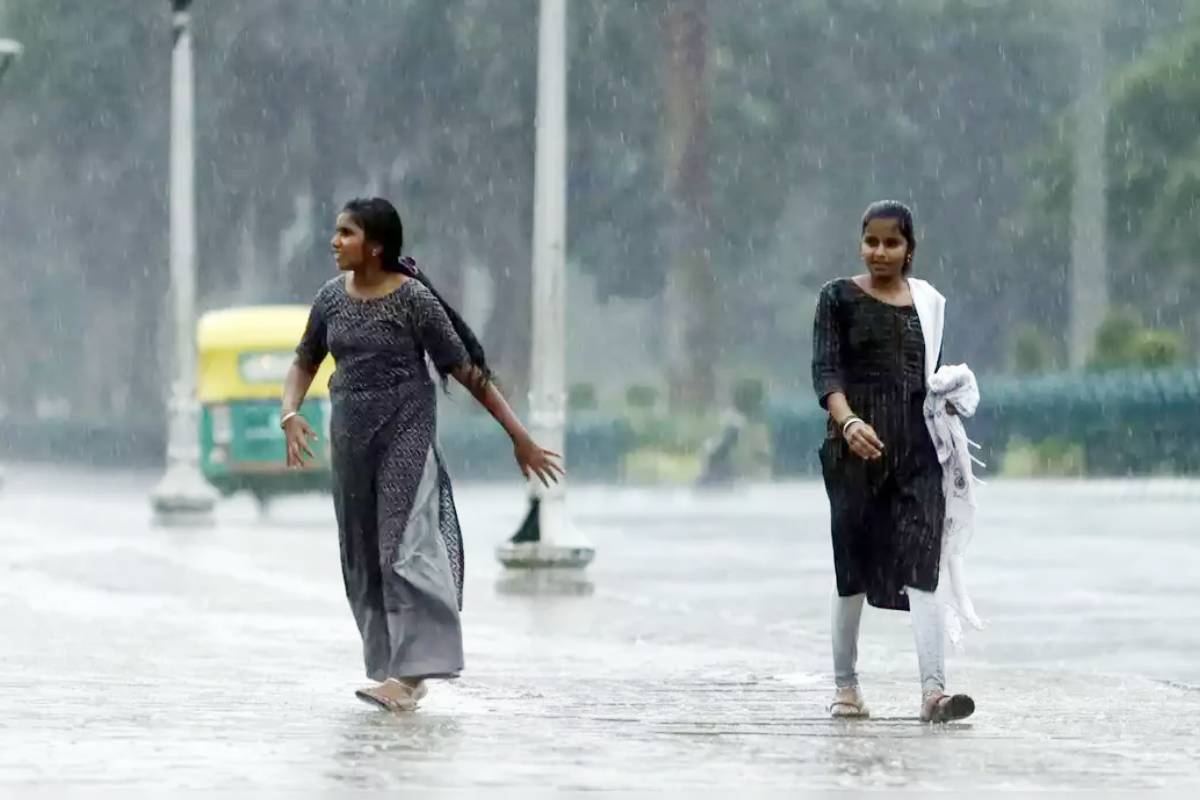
[(263, 501)]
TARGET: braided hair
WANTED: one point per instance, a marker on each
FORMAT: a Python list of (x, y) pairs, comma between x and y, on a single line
[(381, 224)]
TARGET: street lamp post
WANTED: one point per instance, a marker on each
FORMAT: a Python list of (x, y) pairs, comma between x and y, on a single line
[(10, 51), (547, 539), (182, 496)]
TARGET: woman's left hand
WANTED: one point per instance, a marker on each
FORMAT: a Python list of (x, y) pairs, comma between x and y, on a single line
[(536, 460)]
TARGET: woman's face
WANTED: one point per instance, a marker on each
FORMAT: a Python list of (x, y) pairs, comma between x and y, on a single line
[(349, 245), (883, 248)]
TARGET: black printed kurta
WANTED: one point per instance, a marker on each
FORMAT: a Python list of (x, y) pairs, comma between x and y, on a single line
[(886, 514), (401, 548)]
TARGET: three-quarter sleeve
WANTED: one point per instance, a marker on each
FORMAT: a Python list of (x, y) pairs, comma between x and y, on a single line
[(436, 333), (313, 345), (827, 346)]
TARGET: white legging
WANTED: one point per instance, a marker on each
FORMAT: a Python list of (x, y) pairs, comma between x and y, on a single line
[(926, 611)]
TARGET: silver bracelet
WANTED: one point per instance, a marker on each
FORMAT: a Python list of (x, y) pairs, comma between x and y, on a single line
[(283, 420), (846, 425)]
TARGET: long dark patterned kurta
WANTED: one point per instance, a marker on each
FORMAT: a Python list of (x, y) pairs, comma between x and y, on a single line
[(400, 543), (887, 514)]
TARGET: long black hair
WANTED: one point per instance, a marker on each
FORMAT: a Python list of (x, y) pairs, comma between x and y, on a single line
[(381, 224), (894, 209)]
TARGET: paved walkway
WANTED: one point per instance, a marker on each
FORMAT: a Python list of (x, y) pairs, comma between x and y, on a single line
[(696, 657)]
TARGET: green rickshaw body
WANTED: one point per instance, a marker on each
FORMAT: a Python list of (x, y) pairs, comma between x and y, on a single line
[(243, 355)]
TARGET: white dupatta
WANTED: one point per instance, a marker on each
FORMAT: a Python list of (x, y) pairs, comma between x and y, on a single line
[(954, 384)]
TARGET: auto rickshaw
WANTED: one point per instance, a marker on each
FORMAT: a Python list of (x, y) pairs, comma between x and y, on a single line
[(243, 355)]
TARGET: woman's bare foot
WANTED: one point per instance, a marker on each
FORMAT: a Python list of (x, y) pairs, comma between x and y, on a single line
[(416, 687)]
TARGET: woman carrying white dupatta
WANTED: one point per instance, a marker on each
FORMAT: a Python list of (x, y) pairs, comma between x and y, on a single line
[(876, 347)]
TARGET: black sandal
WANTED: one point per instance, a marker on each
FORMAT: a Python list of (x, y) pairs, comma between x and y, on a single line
[(947, 708)]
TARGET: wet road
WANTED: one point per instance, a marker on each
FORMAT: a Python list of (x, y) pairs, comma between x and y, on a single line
[(697, 656)]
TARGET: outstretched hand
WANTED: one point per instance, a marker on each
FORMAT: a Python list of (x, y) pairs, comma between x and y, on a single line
[(532, 459)]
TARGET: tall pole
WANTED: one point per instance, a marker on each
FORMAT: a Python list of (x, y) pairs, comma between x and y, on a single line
[(1089, 271), (10, 51), (182, 496), (547, 539)]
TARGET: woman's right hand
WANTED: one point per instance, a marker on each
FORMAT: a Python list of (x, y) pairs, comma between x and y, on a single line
[(298, 434), (863, 441)]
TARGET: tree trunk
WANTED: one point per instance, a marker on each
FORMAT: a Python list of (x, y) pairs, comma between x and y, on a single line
[(1089, 223), (689, 301)]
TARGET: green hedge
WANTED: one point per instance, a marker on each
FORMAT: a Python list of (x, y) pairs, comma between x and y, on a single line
[(1122, 423), (1126, 422)]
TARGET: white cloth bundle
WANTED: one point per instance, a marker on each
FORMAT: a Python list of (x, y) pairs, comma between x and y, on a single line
[(955, 384)]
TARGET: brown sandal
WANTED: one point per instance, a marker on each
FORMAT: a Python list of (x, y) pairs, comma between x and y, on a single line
[(393, 695), (848, 703)]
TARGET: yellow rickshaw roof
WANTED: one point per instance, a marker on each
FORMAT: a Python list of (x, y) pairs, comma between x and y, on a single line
[(252, 327)]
